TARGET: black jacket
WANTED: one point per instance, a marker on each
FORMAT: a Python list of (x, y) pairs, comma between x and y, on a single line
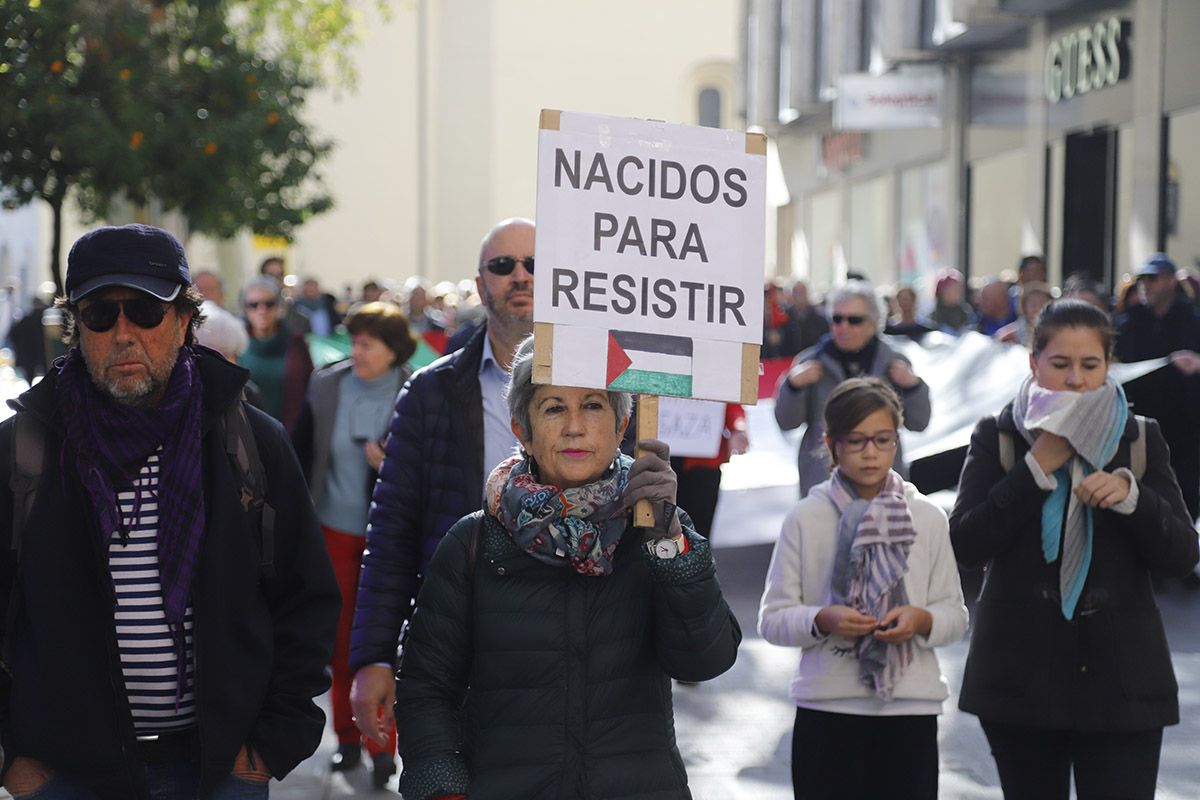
[(1109, 667), (569, 675), (261, 646), (431, 476)]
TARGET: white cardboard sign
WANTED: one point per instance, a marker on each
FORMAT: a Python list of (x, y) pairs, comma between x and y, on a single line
[(691, 427), (649, 253)]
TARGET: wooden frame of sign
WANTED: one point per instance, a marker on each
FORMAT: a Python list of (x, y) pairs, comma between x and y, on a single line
[(650, 248)]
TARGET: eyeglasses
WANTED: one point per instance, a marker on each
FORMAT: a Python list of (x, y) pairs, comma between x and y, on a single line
[(254, 305), (145, 312), (503, 265), (854, 442), (849, 319)]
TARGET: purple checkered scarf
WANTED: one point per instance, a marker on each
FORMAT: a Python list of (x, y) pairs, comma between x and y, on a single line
[(111, 443)]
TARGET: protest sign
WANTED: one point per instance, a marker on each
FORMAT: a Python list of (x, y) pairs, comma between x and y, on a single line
[(693, 428), (650, 257)]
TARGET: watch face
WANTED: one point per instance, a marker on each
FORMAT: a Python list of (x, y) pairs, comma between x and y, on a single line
[(665, 548)]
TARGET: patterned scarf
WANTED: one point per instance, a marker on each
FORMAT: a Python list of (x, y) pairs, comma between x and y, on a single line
[(1093, 423), (874, 538), (580, 527), (111, 443)]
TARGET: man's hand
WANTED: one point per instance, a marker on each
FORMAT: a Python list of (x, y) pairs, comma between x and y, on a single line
[(902, 375), (26, 775), (739, 442), (1186, 361), (844, 621), (373, 701), (904, 622), (805, 374), (249, 766)]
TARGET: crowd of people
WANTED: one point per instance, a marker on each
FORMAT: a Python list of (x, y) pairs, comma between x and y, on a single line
[(208, 522)]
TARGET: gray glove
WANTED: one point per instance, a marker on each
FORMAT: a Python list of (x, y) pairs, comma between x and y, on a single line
[(651, 478)]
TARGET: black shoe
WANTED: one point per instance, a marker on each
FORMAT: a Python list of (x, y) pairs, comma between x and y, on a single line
[(384, 767), (346, 758)]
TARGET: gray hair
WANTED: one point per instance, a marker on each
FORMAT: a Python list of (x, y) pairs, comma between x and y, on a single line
[(264, 282), (222, 331), (521, 389), (860, 290)]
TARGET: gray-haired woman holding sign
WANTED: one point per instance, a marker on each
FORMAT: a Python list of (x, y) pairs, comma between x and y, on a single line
[(539, 659)]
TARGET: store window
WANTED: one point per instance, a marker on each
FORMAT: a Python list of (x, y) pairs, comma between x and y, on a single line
[(872, 251), (826, 253), (708, 107), (1181, 195), (924, 224), (997, 213)]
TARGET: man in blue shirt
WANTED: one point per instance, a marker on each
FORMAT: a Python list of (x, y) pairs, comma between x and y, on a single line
[(450, 429)]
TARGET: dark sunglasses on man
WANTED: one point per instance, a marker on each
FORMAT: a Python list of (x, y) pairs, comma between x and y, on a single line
[(849, 319), (503, 265), (145, 312)]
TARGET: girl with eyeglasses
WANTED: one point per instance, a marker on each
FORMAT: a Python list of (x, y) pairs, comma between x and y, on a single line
[(852, 348), (1071, 503), (863, 581)]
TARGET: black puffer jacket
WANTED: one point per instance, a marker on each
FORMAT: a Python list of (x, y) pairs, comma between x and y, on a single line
[(1108, 668), (569, 676)]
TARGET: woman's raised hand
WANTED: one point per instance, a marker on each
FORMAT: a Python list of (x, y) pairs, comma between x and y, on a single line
[(1051, 451), (651, 478)]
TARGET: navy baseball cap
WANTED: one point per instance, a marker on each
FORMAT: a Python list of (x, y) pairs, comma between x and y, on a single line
[(1157, 264), (136, 256)]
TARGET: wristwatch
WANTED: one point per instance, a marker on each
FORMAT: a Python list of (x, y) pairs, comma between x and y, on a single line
[(665, 548)]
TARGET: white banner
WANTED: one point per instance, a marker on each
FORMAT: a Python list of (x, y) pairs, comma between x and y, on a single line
[(882, 102)]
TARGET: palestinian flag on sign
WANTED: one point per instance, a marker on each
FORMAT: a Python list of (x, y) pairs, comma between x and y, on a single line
[(648, 363)]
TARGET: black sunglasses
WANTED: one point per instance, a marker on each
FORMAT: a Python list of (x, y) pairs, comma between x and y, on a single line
[(503, 265), (850, 319), (255, 304), (145, 312)]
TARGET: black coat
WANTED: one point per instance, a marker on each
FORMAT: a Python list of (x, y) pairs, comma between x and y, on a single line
[(569, 676), (1109, 667), (261, 647), (432, 476)]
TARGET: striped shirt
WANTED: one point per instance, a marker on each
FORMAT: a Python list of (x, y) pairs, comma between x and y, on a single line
[(147, 650)]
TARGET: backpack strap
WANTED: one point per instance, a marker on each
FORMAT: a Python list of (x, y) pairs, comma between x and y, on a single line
[(242, 448), (1137, 449), (25, 476), (1007, 454)]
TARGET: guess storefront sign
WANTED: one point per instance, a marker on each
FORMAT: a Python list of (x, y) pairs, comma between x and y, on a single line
[(1088, 59)]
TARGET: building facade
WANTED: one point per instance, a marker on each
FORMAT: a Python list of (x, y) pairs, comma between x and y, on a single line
[(917, 135)]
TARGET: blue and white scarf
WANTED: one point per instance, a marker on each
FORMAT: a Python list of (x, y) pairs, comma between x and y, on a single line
[(1093, 423)]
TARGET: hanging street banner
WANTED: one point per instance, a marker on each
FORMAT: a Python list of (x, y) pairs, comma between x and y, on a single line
[(911, 99), (650, 250)]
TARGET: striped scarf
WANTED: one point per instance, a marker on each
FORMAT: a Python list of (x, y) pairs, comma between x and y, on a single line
[(874, 538), (111, 442), (1093, 423)]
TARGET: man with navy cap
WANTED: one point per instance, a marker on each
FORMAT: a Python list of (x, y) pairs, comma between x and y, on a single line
[(169, 604), (1165, 324)]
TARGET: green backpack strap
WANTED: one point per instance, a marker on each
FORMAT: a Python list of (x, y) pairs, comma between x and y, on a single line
[(242, 448)]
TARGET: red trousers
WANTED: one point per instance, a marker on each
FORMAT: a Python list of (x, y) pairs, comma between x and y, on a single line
[(346, 551)]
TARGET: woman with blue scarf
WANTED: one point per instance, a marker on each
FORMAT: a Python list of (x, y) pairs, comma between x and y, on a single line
[(1069, 669), (539, 659)]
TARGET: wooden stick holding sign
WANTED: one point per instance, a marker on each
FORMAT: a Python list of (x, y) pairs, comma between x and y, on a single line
[(650, 250), (647, 428)]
